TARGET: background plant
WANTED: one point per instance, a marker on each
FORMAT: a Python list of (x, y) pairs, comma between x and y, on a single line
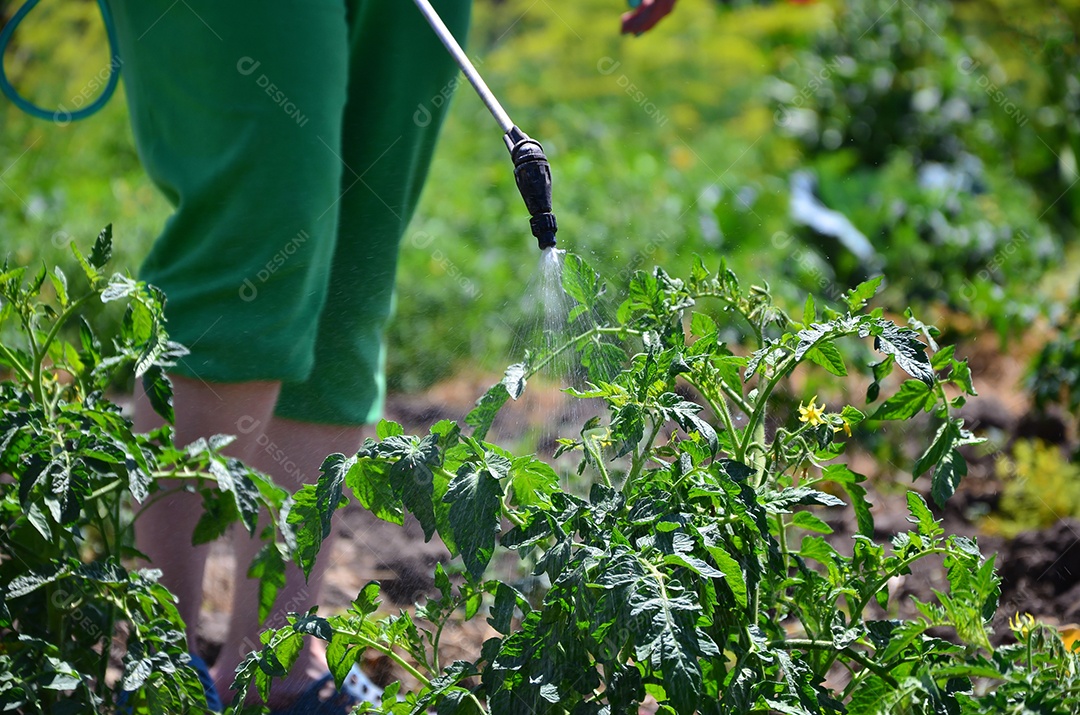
[(708, 171), (695, 571), (76, 479)]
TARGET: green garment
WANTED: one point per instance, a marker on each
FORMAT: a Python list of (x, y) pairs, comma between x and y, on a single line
[(293, 140)]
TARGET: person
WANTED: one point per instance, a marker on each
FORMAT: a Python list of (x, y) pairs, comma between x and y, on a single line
[(293, 142)]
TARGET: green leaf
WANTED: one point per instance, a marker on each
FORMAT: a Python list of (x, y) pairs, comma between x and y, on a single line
[(809, 310), (507, 599), (119, 287), (856, 298), (369, 480), (702, 325), (909, 352), (850, 481), (315, 506), (733, 575), (60, 286), (806, 520), (482, 416), (951, 468), (474, 496), (514, 380), (388, 428), (961, 375), (232, 477), (102, 250), (412, 475), (602, 360), (685, 414), (912, 397), (921, 515), (158, 389), (269, 568), (532, 482), (671, 642), (89, 271), (219, 513), (780, 502), (829, 357), (580, 281), (946, 436)]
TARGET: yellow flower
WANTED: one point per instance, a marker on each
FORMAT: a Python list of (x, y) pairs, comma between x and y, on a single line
[(814, 414), (1022, 625), (843, 426)]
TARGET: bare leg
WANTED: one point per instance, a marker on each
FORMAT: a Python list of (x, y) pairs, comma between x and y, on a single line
[(291, 452), (163, 531)]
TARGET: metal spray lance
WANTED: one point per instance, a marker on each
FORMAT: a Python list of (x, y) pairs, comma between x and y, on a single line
[(532, 172)]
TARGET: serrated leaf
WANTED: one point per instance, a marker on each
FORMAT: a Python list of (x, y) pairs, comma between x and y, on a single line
[(369, 481), (912, 397), (685, 414), (119, 287), (809, 310), (412, 475), (507, 600), (158, 389), (532, 482), (232, 477), (856, 297), (829, 357), (269, 568), (961, 375), (102, 251), (475, 510), (780, 502), (387, 428), (580, 281), (702, 325), (850, 481), (60, 286), (481, 417), (671, 642), (514, 380), (921, 515), (906, 348), (733, 574), (315, 506), (602, 360), (950, 469)]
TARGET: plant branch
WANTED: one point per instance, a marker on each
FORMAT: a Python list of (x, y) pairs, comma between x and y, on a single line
[(857, 656)]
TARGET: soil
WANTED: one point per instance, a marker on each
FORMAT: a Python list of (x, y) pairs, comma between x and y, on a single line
[(1040, 570)]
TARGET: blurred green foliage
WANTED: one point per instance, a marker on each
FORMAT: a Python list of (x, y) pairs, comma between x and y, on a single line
[(1040, 486), (946, 133)]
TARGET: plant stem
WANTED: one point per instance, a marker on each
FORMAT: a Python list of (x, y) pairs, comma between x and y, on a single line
[(857, 612), (858, 657), (719, 406), (533, 369), (16, 365), (640, 456), (590, 446), (405, 665), (40, 351)]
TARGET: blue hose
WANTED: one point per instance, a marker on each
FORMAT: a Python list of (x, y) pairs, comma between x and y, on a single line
[(61, 115)]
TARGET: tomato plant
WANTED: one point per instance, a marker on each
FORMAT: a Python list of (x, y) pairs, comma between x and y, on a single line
[(695, 573), (75, 480)]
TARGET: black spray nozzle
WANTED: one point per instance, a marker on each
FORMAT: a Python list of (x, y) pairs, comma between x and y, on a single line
[(532, 172)]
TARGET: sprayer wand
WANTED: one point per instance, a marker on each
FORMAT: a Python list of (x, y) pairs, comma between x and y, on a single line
[(532, 172)]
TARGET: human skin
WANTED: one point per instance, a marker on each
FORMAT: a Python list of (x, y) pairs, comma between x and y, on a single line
[(164, 530), (645, 16)]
